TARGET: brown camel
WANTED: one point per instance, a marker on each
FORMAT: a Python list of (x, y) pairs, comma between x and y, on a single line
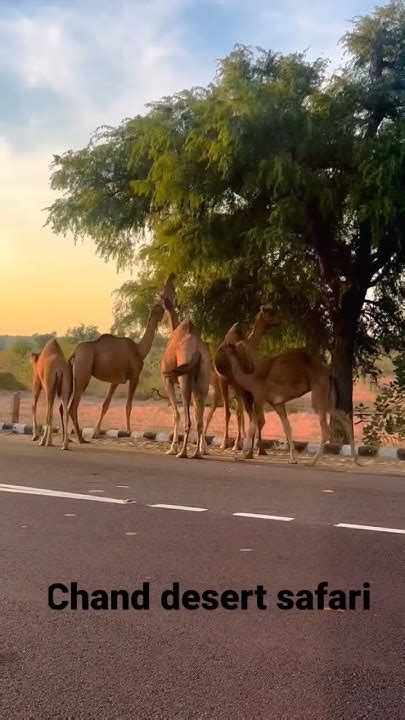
[(187, 361), (286, 377), (111, 359), (52, 373), (264, 320)]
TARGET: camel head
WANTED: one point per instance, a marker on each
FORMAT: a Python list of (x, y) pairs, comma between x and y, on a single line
[(157, 310), (269, 318)]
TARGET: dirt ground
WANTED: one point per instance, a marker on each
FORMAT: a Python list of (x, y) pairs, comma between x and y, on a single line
[(147, 415)]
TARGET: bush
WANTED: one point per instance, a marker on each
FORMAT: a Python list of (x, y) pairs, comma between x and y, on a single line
[(387, 423)]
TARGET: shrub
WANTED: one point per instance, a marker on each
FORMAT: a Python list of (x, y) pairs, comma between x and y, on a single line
[(387, 423)]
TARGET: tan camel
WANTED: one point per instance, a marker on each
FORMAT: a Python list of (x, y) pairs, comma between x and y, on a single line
[(52, 373), (264, 320), (286, 377), (187, 361), (111, 359)]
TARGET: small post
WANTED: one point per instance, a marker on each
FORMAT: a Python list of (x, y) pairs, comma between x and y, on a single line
[(15, 407)]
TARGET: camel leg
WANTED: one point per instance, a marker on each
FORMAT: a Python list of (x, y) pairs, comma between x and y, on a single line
[(260, 426), (215, 402), (225, 397), (47, 436), (104, 408), (185, 386), (174, 447), (282, 413), (199, 404), (251, 437), (36, 391), (348, 426), (131, 391), (324, 437), (81, 379), (250, 440), (241, 425), (65, 424)]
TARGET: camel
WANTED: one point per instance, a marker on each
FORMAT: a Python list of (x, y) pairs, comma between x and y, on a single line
[(187, 361), (286, 377), (52, 373), (264, 320), (111, 359)]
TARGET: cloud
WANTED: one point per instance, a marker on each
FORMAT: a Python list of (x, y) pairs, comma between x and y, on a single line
[(100, 62)]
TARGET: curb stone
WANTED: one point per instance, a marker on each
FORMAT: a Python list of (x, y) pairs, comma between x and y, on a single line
[(386, 453)]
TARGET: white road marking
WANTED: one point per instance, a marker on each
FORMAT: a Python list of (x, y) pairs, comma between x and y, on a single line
[(123, 486), (246, 549), (328, 491), (263, 517), (371, 527), (57, 493), (179, 507), (131, 533), (70, 515), (96, 491)]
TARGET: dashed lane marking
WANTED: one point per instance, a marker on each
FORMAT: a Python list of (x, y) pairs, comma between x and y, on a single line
[(259, 516), (179, 507), (58, 493), (373, 528)]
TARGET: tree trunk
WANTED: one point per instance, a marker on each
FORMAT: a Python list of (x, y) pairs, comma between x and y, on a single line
[(342, 367)]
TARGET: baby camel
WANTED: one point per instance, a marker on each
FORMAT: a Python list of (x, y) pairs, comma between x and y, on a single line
[(187, 361), (286, 377), (52, 372)]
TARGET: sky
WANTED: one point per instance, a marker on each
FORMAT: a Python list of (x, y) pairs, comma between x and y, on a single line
[(68, 66)]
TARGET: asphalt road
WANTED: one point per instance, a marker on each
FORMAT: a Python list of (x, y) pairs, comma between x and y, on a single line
[(196, 663)]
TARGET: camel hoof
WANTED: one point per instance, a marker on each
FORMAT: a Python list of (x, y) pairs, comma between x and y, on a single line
[(293, 461), (173, 450), (182, 454), (35, 437), (262, 451), (224, 445), (65, 447), (82, 441), (197, 456), (237, 446)]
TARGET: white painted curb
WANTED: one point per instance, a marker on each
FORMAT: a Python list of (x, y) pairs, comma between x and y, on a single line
[(162, 437), (389, 453), (136, 435), (216, 441), (19, 428), (112, 433), (88, 432), (313, 448)]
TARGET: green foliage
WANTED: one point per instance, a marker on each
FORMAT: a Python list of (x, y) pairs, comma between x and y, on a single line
[(273, 184), (82, 332), (387, 423), (23, 347)]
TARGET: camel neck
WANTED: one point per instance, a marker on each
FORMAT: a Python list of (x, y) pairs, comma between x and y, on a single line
[(173, 319), (145, 343), (241, 378), (256, 334)]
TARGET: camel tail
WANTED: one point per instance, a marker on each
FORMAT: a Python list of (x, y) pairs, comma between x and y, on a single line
[(185, 368), (333, 392), (58, 383)]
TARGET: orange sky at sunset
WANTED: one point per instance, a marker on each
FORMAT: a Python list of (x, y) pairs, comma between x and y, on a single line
[(46, 282)]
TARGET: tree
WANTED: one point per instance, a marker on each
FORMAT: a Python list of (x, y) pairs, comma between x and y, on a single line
[(275, 183), (82, 332)]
